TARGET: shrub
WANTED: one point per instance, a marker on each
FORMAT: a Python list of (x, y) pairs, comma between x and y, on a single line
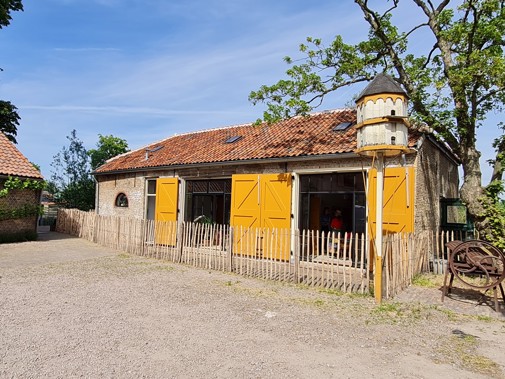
[(18, 237)]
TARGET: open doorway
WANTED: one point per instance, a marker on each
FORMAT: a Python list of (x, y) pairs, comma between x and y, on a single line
[(344, 192)]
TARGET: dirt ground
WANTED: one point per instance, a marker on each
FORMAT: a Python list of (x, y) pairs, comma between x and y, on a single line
[(69, 308)]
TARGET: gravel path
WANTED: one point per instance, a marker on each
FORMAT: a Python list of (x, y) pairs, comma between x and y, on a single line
[(69, 308)]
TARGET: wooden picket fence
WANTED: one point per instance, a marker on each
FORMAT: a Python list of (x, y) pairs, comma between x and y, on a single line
[(308, 257)]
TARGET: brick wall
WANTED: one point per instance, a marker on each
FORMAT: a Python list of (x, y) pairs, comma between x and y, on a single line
[(15, 199)]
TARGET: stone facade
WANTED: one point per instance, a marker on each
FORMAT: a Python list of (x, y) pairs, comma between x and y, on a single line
[(133, 185), (436, 176)]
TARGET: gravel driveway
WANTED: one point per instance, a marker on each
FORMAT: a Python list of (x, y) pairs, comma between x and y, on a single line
[(69, 308)]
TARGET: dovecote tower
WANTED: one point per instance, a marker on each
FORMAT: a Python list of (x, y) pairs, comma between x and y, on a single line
[(382, 125)]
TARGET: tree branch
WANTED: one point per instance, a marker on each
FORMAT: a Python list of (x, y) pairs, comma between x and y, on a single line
[(414, 29), (442, 5), (488, 95), (428, 59)]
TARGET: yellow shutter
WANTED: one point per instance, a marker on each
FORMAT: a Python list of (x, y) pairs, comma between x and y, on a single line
[(276, 214), (261, 201), (167, 192), (245, 212), (398, 214)]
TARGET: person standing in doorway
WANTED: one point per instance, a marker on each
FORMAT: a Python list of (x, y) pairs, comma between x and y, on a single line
[(337, 224)]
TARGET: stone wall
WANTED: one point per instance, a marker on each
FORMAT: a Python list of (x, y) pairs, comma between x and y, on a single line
[(436, 177), (134, 184)]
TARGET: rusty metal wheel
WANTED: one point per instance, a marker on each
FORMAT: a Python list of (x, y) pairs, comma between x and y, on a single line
[(478, 264)]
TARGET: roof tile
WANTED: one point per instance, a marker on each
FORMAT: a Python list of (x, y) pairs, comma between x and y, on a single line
[(295, 137), (13, 162)]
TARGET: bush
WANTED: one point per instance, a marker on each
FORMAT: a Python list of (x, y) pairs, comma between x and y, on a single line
[(18, 237)]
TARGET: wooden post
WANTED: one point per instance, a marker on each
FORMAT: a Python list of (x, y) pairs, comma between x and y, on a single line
[(378, 229), (230, 250), (180, 241), (296, 252)]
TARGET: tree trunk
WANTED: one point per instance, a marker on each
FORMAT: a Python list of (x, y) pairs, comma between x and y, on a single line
[(472, 192)]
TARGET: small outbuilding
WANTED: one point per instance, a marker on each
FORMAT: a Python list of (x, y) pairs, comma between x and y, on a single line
[(285, 175), (20, 191)]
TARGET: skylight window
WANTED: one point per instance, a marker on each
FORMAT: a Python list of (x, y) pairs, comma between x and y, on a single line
[(153, 150), (341, 126), (233, 139)]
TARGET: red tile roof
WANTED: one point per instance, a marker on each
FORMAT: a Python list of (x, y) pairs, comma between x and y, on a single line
[(296, 137), (13, 163)]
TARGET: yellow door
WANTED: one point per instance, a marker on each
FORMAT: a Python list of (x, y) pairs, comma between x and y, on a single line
[(167, 192), (398, 195), (275, 211), (245, 212), (258, 202)]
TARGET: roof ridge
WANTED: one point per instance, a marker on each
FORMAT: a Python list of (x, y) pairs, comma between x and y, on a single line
[(328, 111)]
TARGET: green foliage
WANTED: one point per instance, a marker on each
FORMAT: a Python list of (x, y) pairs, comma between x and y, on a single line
[(460, 79), (18, 237), (37, 167), (80, 195), (71, 180), (71, 164), (24, 211), (9, 119), (427, 280), (6, 7), (452, 85), (18, 184), (71, 176), (51, 187), (203, 219), (27, 210), (107, 147), (494, 213)]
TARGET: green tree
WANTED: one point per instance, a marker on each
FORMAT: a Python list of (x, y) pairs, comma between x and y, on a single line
[(107, 147), (71, 176), (6, 7), (9, 118), (453, 84)]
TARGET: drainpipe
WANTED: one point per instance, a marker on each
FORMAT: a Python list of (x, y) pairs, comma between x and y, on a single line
[(97, 194)]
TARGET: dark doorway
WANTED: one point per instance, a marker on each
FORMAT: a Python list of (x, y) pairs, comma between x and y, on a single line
[(344, 192), (208, 201)]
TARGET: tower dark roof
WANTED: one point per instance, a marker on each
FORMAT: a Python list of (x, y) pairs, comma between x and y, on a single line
[(382, 83)]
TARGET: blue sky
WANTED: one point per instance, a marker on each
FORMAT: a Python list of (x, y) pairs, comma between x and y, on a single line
[(144, 70)]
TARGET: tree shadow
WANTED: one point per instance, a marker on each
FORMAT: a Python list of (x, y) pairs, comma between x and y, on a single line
[(53, 236)]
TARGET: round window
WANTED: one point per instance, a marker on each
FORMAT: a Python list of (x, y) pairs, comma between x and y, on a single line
[(121, 200)]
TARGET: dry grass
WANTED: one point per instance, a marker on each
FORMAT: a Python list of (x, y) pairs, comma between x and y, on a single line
[(461, 350)]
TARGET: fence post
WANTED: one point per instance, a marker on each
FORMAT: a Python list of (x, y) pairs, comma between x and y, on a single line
[(180, 240), (296, 275), (230, 250)]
